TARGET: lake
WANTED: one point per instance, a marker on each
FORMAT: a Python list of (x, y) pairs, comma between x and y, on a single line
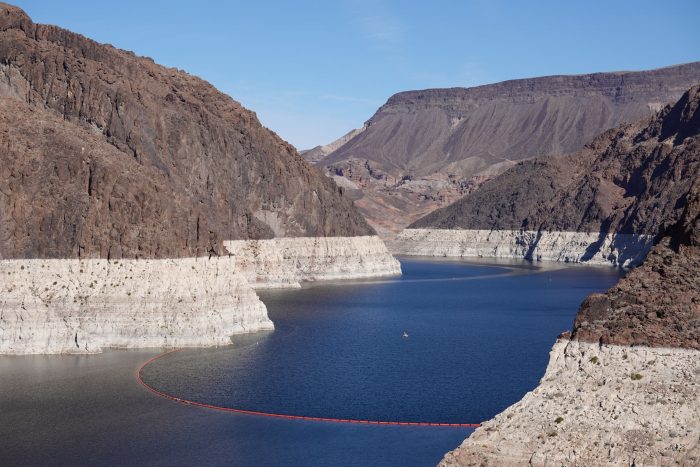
[(478, 337)]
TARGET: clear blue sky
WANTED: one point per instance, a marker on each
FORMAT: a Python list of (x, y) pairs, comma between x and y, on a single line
[(314, 70)]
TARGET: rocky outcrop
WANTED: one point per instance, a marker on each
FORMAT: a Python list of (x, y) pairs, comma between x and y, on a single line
[(632, 180), (286, 262), (598, 405), (428, 148), (106, 154), (623, 388), (658, 303), (622, 250), (84, 306)]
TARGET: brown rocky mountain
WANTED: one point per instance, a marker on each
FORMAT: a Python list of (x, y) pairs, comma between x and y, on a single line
[(658, 303), (632, 179), (425, 149), (626, 378), (108, 154)]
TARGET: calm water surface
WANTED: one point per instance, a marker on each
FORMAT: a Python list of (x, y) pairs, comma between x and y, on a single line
[(479, 337)]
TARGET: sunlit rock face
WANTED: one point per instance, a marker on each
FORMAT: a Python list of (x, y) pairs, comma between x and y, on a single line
[(425, 149), (624, 387), (598, 405), (571, 247), (286, 262), (84, 306)]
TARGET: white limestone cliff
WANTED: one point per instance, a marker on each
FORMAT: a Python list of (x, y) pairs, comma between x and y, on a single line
[(84, 306), (286, 262), (574, 247), (598, 405)]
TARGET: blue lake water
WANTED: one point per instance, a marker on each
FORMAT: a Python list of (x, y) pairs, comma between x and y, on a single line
[(478, 340)]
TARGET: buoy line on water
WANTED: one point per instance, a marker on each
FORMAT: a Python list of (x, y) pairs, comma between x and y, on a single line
[(180, 400)]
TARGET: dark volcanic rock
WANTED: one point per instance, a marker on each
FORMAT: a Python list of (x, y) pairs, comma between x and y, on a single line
[(658, 303), (199, 166), (633, 179)]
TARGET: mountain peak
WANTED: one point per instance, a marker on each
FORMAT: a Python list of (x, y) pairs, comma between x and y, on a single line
[(12, 17), (683, 120)]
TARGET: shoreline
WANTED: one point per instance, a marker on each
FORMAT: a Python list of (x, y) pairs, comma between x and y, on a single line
[(597, 404), (622, 250), (57, 306)]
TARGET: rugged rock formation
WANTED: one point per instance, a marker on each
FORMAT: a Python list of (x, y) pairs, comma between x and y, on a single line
[(285, 262), (622, 250), (83, 306), (631, 180), (208, 160), (624, 388), (658, 303), (105, 155), (598, 405), (428, 148)]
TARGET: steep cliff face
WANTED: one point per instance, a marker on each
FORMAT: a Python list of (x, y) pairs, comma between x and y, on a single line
[(623, 250), (658, 303), (597, 405), (106, 156), (428, 148), (286, 262), (82, 306), (180, 150), (631, 180), (622, 389)]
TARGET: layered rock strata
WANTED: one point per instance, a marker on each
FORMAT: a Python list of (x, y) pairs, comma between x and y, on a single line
[(84, 306), (622, 250), (286, 262), (626, 187), (425, 149)]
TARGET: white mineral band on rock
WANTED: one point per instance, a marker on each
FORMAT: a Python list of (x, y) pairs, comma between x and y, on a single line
[(286, 262), (573, 247), (598, 405), (70, 305), (83, 306)]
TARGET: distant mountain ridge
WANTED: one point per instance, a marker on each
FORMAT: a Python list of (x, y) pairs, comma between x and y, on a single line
[(317, 153), (632, 179), (427, 148)]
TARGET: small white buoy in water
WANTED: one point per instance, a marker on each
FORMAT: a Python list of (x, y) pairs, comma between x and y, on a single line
[(405, 335)]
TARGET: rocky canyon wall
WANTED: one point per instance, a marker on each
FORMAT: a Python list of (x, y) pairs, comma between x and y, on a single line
[(624, 387), (622, 250), (608, 202), (84, 306), (286, 262), (120, 180), (598, 405)]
